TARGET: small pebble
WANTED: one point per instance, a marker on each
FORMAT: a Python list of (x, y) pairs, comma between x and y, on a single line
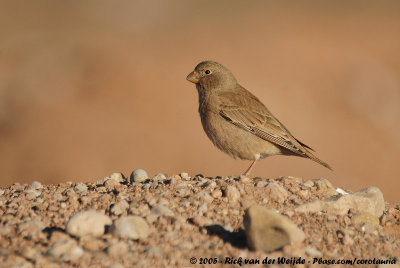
[(228, 228), (131, 227), (201, 221), (65, 250), (31, 194), (36, 185), (184, 176), (30, 253), (159, 177), (185, 245), (161, 210), (205, 197), (111, 184), (312, 252), (276, 192), (138, 175), (80, 188), (216, 194), (88, 222), (120, 207), (117, 177), (244, 179), (308, 183), (154, 252), (232, 194), (118, 249)]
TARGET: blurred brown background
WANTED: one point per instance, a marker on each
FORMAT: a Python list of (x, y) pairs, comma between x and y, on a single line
[(94, 87)]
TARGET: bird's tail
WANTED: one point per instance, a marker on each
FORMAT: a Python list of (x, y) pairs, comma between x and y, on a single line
[(319, 161)]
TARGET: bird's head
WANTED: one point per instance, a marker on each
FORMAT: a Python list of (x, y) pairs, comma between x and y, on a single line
[(212, 75)]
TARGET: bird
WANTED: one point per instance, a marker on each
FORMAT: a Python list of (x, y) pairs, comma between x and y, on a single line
[(237, 122)]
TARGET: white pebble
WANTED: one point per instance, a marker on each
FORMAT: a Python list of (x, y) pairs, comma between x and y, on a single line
[(161, 210), (88, 222), (131, 227), (80, 188), (138, 175)]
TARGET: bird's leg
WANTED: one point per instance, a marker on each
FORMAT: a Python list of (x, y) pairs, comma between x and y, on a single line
[(247, 172)]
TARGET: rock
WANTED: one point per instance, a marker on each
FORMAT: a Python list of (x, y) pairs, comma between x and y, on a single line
[(91, 243), (31, 226), (138, 175), (365, 200), (261, 184), (154, 252), (289, 213), (312, 252), (161, 210), (88, 222), (151, 218), (364, 218), (203, 208), (184, 176), (118, 249), (80, 188), (65, 250), (304, 194), (232, 194), (120, 207), (205, 197), (31, 194), (30, 230), (163, 201), (36, 185), (159, 177), (245, 203), (210, 185), (201, 221), (111, 184), (341, 191), (185, 245), (131, 227), (325, 187), (117, 177), (228, 228), (308, 183), (30, 253), (276, 192), (216, 194), (244, 179), (146, 186), (332, 217), (267, 230)]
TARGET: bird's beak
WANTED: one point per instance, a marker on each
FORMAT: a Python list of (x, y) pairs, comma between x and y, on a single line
[(193, 77)]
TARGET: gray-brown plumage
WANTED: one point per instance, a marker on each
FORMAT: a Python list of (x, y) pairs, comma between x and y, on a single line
[(237, 122)]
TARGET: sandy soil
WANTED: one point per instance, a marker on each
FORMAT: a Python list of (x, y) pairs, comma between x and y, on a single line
[(182, 217)]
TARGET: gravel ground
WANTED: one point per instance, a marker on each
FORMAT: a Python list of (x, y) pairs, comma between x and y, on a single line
[(164, 221)]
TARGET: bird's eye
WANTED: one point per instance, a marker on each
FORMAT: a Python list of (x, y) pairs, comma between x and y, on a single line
[(208, 72)]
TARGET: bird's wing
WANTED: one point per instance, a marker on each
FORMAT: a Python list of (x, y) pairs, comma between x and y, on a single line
[(245, 111)]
